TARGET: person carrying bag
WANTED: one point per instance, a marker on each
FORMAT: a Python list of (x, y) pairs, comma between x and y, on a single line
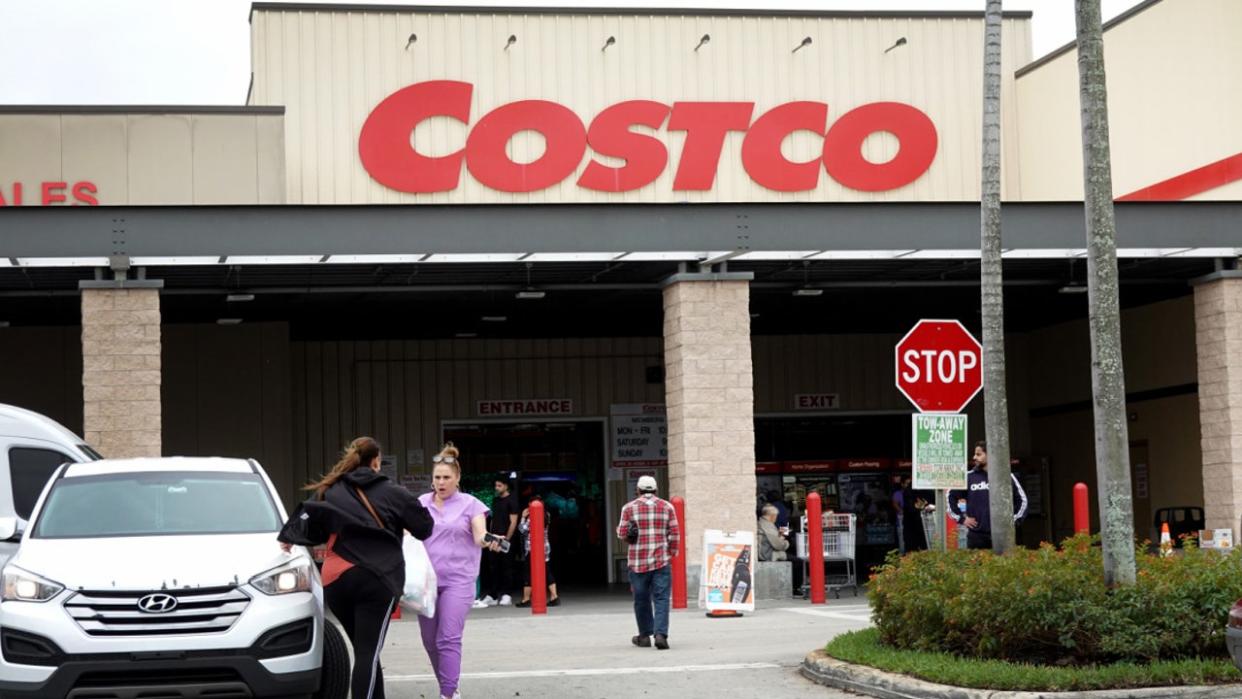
[(362, 516)]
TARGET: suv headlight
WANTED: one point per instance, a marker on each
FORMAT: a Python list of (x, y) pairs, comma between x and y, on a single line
[(285, 579), (21, 586)]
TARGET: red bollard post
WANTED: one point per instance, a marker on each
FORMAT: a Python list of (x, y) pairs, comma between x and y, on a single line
[(538, 573), (679, 561), (815, 547), (950, 532), (1082, 511)]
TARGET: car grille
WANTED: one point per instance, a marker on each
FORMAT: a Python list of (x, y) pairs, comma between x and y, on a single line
[(161, 684), (198, 611)]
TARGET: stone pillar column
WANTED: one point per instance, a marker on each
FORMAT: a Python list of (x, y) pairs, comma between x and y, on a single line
[(709, 388), (121, 367), (1218, 343)]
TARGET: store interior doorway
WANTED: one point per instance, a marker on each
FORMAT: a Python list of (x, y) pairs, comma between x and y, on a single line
[(561, 461), (854, 462)]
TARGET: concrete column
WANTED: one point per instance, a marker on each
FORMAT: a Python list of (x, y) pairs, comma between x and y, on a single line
[(121, 368), (709, 386), (1218, 343)]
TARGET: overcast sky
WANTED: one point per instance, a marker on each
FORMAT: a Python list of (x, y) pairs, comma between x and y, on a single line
[(197, 51)]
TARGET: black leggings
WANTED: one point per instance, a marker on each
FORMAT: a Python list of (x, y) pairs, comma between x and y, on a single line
[(497, 574), (551, 579), (363, 606)]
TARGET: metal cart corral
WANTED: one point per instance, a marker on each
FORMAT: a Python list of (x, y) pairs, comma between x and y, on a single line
[(839, 547)]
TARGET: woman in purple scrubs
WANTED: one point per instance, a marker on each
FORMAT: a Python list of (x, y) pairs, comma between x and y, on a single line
[(455, 547)]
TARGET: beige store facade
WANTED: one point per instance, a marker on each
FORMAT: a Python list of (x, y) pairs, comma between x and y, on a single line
[(526, 230)]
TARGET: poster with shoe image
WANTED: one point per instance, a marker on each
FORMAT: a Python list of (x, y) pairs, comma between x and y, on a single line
[(727, 582)]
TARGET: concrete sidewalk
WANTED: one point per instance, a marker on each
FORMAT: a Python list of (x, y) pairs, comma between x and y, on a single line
[(582, 649)]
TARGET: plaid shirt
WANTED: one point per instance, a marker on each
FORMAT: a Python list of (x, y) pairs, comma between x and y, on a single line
[(658, 534)]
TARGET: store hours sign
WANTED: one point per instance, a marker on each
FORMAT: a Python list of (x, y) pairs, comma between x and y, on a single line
[(639, 435)]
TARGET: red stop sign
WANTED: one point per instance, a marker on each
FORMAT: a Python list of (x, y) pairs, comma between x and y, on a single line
[(939, 366)]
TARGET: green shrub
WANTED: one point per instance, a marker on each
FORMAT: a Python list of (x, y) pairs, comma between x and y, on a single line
[(863, 647), (1050, 605)]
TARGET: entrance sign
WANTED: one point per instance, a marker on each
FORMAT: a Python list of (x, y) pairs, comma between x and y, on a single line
[(542, 406), (940, 452), (639, 435), (386, 151), (727, 580), (939, 366)]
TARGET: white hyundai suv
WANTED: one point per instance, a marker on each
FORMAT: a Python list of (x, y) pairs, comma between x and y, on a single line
[(162, 577)]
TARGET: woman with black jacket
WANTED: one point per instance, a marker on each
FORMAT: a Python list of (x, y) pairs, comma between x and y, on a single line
[(362, 516)]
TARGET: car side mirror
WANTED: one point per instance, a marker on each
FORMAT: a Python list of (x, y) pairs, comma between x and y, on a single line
[(9, 529)]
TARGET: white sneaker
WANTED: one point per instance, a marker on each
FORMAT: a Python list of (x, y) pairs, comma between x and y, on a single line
[(506, 601), (489, 601), (479, 604)]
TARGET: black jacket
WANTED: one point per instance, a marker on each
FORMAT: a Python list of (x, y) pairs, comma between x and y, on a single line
[(359, 539), (978, 500)]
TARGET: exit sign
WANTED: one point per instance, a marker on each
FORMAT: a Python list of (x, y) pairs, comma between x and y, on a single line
[(817, 401)]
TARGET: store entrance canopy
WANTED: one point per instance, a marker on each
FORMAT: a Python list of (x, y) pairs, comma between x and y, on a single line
[(257, 235)]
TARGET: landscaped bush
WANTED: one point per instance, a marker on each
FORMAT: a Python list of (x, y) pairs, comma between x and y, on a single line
[(1050, 605)]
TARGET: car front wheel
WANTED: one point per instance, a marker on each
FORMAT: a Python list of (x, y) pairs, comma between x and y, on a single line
[(334, 682)]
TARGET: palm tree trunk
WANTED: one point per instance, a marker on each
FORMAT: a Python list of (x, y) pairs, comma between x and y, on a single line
[(996, 401), (1112, 448)]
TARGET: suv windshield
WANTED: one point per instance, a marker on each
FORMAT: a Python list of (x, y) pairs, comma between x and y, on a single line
[(157, 504)]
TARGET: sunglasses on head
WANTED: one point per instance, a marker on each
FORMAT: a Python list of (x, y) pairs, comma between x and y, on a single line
[(442, 459)]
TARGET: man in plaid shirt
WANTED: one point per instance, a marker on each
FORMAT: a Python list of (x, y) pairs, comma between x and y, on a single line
[(658, 539)]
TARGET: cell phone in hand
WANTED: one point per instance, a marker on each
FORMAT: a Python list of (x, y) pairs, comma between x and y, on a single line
[(504, 543)]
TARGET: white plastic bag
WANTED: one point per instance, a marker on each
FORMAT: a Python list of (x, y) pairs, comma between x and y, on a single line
[(419, 595)]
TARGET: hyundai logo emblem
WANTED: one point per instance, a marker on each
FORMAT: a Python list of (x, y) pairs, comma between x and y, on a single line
[(158, 603)]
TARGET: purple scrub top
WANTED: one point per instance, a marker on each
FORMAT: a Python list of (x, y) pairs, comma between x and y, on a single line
[(451, 547)]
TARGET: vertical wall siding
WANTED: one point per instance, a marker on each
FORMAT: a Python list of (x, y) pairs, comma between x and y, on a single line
[(331, 68), (148, 159), (401, 391)]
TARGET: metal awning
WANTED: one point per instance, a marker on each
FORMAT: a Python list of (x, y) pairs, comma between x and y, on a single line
[(431, 234)]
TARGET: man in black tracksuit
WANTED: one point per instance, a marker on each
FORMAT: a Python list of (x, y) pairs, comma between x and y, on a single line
[(977, 516)]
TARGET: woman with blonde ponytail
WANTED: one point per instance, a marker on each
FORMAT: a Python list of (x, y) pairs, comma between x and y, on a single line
[(362, 516), (455, 548)]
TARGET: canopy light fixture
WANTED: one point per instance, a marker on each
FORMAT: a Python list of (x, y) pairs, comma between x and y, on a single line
[(495, 319), (239, 298), (530, 294), (228, 321), (466, 336), (806, 289), (1073, 289)]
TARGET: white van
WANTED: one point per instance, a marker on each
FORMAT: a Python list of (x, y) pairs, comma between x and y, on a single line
[(32, 447)]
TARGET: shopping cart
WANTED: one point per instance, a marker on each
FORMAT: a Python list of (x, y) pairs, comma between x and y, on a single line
[(839, 547), (929, 530)]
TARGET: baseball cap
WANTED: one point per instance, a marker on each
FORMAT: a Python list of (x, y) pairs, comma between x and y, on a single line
[(647, 484)]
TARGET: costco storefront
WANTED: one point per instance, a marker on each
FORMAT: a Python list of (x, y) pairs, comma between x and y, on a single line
[(590, 245)]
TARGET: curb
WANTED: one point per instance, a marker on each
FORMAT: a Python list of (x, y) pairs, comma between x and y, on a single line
[(830, 672)]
